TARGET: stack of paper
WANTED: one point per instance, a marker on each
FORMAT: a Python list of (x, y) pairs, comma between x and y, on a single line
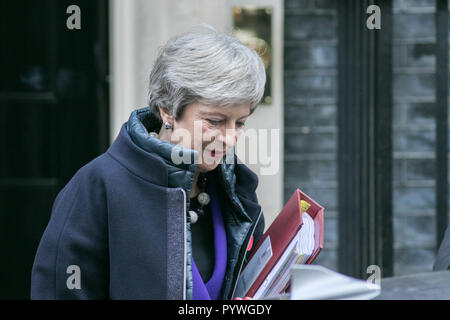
[(298, 252), (294, 237)]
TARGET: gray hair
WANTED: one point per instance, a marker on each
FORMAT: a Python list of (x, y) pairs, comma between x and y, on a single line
[(207, 67)]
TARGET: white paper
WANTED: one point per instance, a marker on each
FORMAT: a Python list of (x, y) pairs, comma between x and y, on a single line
[(312, 282)]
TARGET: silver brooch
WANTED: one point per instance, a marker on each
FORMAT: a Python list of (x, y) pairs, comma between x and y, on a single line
[(193, 215), (203, 198)]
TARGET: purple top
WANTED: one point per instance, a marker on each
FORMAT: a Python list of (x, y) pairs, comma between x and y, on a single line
[(211, 290)]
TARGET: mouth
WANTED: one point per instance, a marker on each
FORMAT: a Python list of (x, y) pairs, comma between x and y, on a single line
[(216, 154)]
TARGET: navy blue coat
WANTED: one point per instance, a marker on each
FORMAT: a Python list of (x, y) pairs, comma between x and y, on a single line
[(122, 221)]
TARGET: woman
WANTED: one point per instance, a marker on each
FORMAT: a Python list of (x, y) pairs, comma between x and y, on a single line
[(166, 212)]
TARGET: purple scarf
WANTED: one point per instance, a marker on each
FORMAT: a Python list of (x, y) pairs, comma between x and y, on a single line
[(211, 290)]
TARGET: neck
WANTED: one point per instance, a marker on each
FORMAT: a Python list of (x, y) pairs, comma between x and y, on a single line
[(165, 134)]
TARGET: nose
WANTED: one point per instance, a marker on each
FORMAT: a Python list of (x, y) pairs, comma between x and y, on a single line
[(229, 138)]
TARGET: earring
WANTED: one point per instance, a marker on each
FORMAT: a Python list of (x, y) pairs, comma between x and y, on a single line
[(167, 125)]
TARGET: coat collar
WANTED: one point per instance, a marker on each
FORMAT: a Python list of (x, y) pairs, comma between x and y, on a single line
[(143, 121)]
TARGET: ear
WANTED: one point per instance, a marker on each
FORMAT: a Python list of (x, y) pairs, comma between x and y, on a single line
[(165, 116)]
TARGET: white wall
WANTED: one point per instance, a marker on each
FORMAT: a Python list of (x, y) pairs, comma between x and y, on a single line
[(140, 27)]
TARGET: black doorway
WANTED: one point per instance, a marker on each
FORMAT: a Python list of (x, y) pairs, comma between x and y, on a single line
[(53, 119)]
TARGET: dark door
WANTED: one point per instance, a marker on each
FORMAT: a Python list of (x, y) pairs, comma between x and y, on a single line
[(53, 119)]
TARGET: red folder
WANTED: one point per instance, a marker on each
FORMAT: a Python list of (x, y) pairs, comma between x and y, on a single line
[(284, 228)]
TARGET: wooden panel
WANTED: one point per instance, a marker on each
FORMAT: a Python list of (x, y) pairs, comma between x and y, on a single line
[(26, 53), (24, 215), (30, 137), (53, 119)]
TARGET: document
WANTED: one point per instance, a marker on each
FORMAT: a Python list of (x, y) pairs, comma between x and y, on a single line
[(295, 237), (298, 252)]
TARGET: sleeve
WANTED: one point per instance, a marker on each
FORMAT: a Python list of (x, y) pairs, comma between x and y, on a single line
[(72, 257)]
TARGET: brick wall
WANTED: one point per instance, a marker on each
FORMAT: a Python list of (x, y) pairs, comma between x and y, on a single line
[(310, 76), (414, 135)]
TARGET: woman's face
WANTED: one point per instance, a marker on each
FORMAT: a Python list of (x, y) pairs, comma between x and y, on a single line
[(210, 130)]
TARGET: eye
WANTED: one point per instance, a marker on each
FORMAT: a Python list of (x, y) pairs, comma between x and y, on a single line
[(214, 122), (240, 124)]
